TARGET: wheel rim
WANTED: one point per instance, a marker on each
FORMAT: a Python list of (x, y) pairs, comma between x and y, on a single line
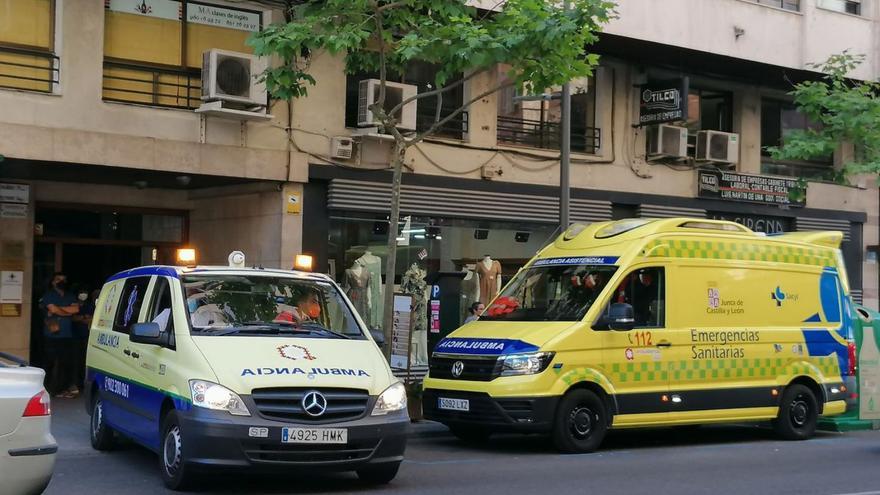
[(581, 421), (97, 418), (171, 451), (799, 412)]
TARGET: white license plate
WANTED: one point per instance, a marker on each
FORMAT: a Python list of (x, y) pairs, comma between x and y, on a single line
[(454, 404), (314, 435)]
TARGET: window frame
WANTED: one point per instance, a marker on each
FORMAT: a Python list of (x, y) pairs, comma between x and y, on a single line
[(795, 165), (40, 51)]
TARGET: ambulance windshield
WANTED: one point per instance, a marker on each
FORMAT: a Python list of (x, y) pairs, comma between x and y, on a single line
[(550, 293), (267, 305)]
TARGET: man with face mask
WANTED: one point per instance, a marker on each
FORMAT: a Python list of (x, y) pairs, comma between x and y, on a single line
[(59, 306)]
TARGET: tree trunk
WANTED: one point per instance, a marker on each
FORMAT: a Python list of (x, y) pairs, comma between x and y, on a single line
[(391, 263)]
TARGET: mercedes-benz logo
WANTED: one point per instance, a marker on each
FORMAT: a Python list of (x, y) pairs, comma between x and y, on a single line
[(457, 368), (314, 403)]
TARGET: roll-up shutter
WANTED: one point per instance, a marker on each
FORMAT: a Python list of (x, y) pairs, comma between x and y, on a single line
[(352, 195), (659, 211), (803, 224)]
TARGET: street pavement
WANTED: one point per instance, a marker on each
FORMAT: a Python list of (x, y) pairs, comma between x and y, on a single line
[(711, 459)]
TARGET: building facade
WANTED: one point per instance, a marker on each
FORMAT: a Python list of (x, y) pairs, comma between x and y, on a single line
[(107, 165)]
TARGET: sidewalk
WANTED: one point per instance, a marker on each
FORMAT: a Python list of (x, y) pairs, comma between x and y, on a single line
[(70, 426)]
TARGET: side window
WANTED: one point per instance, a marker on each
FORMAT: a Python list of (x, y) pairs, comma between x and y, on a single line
[(130, 302), (645, 290), (160, 306)]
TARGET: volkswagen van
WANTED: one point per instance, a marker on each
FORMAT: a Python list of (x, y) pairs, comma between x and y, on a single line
[(241, 368), (661, 322)]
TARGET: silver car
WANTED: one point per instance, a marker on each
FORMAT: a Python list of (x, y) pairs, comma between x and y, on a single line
[(27, 448)]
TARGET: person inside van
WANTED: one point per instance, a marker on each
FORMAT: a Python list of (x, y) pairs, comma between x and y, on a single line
[(645, 298), (307, 308), (475, 310)]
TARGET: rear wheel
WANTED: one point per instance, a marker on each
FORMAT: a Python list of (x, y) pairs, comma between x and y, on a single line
[(581, 422), (378, 475), (176, 474), (798, 413), (470, 434), (101, 435)]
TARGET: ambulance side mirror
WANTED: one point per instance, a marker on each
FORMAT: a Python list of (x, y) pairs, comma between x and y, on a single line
[(378, 337), (620, 316), (148, 333)]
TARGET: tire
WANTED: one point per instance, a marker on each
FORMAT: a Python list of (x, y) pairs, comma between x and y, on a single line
[(798, 413), (470, 434), (378, 475), (580, 424), (176, 473), (100, 433)]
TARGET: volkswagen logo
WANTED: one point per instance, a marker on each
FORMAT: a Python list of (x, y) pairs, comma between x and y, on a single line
[(457, 368), (314, 403)]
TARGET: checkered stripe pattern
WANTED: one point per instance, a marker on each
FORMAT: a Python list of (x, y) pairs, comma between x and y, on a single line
[(683, 371), (738, 250)]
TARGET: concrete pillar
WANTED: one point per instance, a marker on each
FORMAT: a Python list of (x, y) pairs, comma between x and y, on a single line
[(747, 123)]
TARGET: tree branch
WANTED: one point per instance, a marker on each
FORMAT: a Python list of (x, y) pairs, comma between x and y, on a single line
[(434, 92), (390, 6), (382, 71), (437, 125)]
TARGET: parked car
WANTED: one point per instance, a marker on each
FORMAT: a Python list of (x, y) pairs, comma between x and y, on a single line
[(27, 448)]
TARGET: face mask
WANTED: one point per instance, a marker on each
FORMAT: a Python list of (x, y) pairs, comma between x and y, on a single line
[(83, 296), (314, 311), (62, 285)]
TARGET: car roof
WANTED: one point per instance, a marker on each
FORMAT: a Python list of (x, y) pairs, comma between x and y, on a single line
[(178, 271)]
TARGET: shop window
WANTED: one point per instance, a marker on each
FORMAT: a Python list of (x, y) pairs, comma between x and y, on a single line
[(846, 6), (154, 57), (422, 75), (537, 124), (779, 119), (793, 5), (128, 308), (27, 45)]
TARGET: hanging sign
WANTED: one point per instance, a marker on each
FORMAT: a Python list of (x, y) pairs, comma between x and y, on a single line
[(212, 15), (663, 101), (15, 193), (401, 331), (731, 186), (162, 9)]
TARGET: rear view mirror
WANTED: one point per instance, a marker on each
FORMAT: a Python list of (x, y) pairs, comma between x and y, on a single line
[(148, 333), (620, 316), (378, 337)]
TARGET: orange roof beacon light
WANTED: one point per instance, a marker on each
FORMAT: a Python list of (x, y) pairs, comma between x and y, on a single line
[(303, 262), (186, 257)]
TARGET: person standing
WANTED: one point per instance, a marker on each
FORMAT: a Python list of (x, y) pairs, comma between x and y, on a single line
[(59, 306), (82, 322)]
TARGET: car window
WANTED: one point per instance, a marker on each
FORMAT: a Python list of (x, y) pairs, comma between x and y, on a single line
[(645, 290), (160, 307), (130, 302)]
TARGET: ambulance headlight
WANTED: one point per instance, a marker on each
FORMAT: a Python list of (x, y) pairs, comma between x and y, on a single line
[(217, 397), (391, 400), (525, 364)]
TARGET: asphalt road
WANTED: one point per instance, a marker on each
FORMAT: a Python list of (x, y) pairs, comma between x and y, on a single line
[(717, 459)]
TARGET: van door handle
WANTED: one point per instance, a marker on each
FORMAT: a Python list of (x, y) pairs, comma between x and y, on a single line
[(664, 343), (127, 352), (135, 355)]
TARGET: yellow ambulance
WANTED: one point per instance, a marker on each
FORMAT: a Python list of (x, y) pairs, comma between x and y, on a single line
[(653, 322), (238, 368)]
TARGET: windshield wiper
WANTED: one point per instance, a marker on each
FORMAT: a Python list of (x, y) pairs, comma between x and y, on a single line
[(299, 327)]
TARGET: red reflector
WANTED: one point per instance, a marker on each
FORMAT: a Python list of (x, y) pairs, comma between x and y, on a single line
[(38, 406), (852, 358)]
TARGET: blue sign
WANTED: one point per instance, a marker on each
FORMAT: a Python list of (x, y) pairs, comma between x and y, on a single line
[(581, 260), (484, 347)]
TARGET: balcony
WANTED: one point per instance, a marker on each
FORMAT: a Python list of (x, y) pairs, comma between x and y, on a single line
[(28, 69), (168, 87), (546, 135)]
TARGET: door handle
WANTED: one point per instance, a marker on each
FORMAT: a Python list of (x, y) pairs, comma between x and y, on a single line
[(135, 355), (127, 352), (664, 343)]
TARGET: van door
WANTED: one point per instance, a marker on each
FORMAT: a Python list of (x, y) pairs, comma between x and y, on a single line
[(637, 360)]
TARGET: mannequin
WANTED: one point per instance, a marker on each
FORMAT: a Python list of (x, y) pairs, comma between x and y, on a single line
[(356, 287), (489, 271), (470, 289), (413, 283), (373, 264)]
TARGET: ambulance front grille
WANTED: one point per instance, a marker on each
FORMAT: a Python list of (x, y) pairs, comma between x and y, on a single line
[(287, 404)]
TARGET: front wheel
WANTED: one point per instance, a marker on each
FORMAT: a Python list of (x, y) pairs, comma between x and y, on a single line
[(100, 434), (581, 422), (378, 475), (176, 474), (798, 413)]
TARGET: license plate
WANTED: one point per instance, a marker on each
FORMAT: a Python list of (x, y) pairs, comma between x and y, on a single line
[(454, 404), (314, 435)]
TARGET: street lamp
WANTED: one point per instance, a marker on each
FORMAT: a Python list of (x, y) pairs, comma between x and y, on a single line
[(565, 151)]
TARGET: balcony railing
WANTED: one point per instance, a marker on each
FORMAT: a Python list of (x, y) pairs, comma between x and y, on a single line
[(128, 82), (546, 135), (28, 69)]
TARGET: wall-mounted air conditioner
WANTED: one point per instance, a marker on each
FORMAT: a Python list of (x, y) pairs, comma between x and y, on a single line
[(395, 93), (667, 141), (718, 147), (233, 77)]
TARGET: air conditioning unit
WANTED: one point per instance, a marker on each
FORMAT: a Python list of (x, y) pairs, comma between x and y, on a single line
[(232, 77), (667, 141), (341, 147), (395, 93), (718, 147)]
